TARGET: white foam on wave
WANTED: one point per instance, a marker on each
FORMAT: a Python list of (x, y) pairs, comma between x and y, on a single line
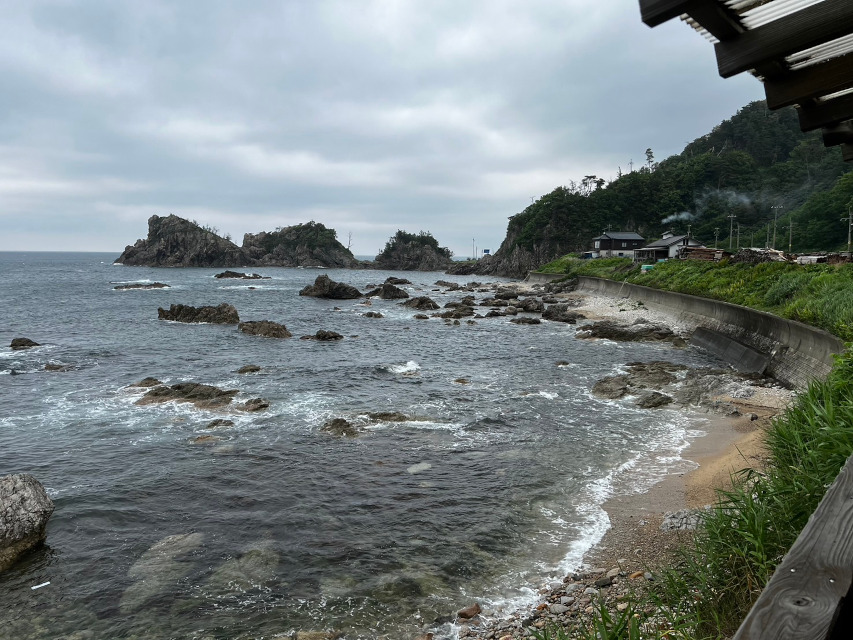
[(408, 368)]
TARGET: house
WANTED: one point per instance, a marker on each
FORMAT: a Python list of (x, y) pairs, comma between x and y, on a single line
[(667, 247), (615, 244)]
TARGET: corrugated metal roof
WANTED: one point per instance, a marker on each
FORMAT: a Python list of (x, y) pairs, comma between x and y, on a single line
[(620, 235)]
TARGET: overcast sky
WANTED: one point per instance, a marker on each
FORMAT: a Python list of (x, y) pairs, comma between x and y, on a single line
[(366, 115)]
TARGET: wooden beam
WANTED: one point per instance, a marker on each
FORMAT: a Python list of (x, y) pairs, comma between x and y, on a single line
[(803, 597), (826, 114), (655, 12), (809, 83), (720, 21), (839, 134), (801, 30)]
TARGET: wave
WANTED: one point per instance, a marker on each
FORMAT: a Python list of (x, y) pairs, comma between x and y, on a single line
[(406, 369)]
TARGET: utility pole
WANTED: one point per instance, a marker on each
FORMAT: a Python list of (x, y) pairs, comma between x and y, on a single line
[(473, 250), (849, 221), (716, 236), (738, 236), (767, 240), (731, 218), (775, 208), (790, 235)]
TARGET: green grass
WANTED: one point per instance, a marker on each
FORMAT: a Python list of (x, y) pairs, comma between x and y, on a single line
[(820, 295)]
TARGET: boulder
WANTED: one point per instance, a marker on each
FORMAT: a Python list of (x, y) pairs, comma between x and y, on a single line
[(611, 387), (531, 305), (139, 285), (470, 611), (561, 313), (325, 287), (372, 314), (255, 404), (340, 427), (51, 366), (19, 344), (265, 328), (249, 368), (456, 314), (393, 280), (653, 399), (222, 314), (203, 396), (324, 336), (388, 292), (526, 320), (219, 422), (421, 316), (642, 332), (241, 276), (25, 509), (421, 303), (146, 383)]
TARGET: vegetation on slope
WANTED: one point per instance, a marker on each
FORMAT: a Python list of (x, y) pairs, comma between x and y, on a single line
[(817, 294)]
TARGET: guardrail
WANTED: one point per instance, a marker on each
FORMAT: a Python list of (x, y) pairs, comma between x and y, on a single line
[(810, 595)]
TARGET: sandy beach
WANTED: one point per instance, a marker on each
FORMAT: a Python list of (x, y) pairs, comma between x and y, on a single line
[(635, 544)]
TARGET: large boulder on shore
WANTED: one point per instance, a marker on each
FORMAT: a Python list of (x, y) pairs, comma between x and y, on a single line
[(222, 314), (25, 509), (636, 332), (265, 328), (561, 313), (325, 287)]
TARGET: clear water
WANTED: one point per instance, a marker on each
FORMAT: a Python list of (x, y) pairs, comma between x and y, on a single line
[(277, 526)]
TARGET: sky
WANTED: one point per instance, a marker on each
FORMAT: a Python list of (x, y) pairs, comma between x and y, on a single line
[(446, 116)]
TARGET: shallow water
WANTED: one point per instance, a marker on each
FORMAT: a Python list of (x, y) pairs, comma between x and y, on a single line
[(278, 526)]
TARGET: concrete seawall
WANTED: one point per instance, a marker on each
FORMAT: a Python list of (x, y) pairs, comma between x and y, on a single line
[(796, 352)]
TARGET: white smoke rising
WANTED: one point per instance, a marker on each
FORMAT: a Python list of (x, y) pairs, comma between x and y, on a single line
[(684, 215)]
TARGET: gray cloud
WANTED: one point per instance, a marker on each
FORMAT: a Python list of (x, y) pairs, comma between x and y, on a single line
[(368, 116)]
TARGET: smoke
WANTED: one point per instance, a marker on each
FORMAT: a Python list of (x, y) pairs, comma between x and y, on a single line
[(684, 215)]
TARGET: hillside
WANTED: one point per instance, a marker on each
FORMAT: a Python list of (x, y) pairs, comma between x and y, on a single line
[(755, 166), (310, 244)]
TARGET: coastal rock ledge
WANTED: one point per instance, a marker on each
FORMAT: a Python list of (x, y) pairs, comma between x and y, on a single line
[(25, 509)]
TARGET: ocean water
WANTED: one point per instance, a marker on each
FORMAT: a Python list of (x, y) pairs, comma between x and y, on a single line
[(493, 487)]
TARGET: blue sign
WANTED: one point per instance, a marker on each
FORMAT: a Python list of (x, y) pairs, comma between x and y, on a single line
[(486, 252)]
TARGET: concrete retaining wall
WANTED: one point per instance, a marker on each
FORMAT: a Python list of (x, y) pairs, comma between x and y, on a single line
[(797, 352), (534, 277)]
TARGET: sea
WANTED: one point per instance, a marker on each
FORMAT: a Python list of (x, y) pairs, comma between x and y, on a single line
[(165, 528)]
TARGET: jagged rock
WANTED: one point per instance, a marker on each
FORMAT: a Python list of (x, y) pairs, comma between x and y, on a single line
[(25, 509), (393, 280), (325, 287), (531, 305), (146, 383), (421, 303), (413, 252), (469, 611), (340, 427), (175, 242), (255, 404), (611, 387), (388, 292), (653, 399), (388, 416), (19, 344), (324, 336), (421, 316), (372, 314), (644, 332), (249, 368), (241, 276), (526, 320), (222, 314), (264, 328), (139, 285), (453, 286), (561, 313), (303, 245), (203, 396)]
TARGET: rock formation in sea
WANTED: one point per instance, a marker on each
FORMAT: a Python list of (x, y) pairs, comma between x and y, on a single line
[(388, 292), (413, 252), (237, 275), (19, 344), (221, 314), (325, 287), (175, 242), (302, 245), (264, 328), (139, 285), (25, 509)]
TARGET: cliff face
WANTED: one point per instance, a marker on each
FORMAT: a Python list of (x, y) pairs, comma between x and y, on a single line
[(410, 252), (175, 242), (302, 245)]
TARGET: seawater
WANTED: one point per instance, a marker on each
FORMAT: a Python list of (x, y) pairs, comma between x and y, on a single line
[(495, 486)]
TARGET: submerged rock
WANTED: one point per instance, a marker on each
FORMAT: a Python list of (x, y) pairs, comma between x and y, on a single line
[(52, 366), (146, 383), (372, 314), (25, 509), (204, 396), (219, 422), (248, 368), (159, 570), (222, 314), (250, 570), (255, 404), (19, 344), (264, 328), (325, 287), (241, 276), (340, 427), (526, 320), (324, 336), (139, 285)]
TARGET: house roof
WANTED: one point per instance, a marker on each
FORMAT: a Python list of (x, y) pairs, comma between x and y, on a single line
[(620, 235), (802, 50), (666, 242)]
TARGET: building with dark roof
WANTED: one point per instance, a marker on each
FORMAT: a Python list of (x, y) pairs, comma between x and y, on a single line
[(667, 247), (615, 244)]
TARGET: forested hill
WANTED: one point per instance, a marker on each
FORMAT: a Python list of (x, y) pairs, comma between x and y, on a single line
[(753, 166)]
